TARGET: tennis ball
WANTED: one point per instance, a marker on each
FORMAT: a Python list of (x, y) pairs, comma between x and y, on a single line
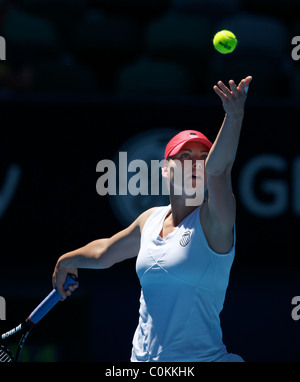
[(224, 42)]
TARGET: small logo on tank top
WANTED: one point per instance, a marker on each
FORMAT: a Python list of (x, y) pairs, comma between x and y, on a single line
[(186, 238)]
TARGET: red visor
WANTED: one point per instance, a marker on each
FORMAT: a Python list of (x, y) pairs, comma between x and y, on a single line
[(176, 143)]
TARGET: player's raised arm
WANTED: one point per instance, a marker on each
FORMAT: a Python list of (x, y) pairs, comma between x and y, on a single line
[(220, 212), (223, 151)]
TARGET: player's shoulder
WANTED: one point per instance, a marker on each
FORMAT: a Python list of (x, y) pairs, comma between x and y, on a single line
[(141, 220)]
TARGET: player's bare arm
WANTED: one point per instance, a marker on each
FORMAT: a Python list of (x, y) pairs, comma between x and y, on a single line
[(100, 254), (219, 215)]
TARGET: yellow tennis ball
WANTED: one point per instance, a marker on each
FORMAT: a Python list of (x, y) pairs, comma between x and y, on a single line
[(225, 41)]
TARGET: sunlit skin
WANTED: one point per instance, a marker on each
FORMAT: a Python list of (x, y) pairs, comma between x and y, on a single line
[(191, 151)]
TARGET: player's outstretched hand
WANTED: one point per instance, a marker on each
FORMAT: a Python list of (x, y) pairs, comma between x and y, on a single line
[(233, 97), (59, 278)]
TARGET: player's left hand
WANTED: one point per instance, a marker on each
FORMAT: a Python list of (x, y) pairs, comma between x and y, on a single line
[(233, 97)]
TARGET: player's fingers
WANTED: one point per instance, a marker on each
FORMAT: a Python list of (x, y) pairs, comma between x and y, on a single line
[(73, 287), (248, 79), (63, 295), (62, 292), (244, 84), (58, 281), (242, 87), (220, 93), (224, 89), (233, 88), (247, 82)]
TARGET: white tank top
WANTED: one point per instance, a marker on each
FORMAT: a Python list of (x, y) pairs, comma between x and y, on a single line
[(183, 290)]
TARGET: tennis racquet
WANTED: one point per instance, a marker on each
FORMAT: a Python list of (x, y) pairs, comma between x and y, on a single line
[(36, 315)]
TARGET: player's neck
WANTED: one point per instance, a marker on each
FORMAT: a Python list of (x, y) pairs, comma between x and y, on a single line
[(179, 209)]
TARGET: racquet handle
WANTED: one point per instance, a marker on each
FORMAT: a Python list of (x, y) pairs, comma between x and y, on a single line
[(52, 299)]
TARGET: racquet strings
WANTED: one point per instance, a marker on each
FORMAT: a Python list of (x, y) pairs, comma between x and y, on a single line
[(5, 355)]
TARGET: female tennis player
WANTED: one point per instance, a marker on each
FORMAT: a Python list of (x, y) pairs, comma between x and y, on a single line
[(184, 252)]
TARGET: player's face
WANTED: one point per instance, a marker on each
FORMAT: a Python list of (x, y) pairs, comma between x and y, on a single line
[(192, 151), (191, 158)]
